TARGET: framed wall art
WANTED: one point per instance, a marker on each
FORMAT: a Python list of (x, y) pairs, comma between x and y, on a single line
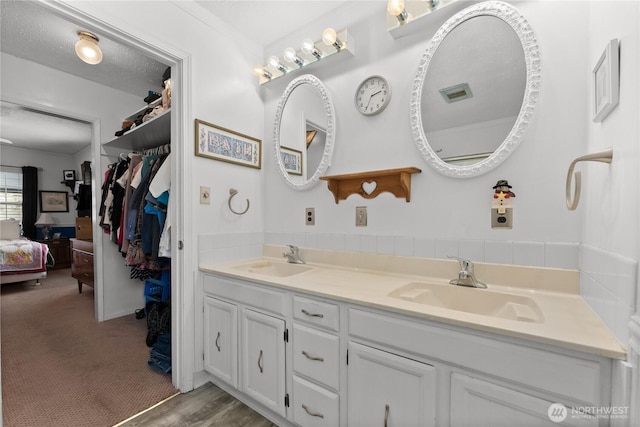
[(606, 81), (69, 175), (54, 201), (218, 143), (292, 160)]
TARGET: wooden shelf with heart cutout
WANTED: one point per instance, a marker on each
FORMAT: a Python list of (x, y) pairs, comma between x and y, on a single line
[(371, 184)]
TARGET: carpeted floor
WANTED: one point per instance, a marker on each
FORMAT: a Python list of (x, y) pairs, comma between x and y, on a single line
[(62, 368)]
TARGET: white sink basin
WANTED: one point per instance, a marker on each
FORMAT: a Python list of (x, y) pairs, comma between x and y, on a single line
[(471, 300), (273, 269)]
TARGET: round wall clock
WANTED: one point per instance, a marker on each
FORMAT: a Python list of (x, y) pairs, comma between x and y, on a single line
[(373, 95)]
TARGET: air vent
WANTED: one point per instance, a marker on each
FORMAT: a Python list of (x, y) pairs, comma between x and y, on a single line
[(456, 93)]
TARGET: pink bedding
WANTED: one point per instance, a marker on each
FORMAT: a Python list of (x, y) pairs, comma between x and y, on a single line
[(22, 256)]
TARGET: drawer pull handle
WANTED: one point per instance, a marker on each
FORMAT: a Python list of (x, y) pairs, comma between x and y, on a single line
[(86, 260), (312, 314), (313, 414), (218, 339), (386, 414), (310, 357), (260, 364)]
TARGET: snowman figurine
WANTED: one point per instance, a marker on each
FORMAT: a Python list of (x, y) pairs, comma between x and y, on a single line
[(502, 196)]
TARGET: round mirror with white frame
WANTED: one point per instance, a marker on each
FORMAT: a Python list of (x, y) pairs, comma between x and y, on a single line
[(303, 132), (475, 90)]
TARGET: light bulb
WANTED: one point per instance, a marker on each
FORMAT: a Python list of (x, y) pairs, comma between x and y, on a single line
[(259, 71), (330, 38), (291, 56), (395, 7), (309, 47), (274, 61)]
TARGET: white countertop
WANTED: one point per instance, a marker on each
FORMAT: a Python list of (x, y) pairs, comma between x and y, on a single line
[(368, 279)]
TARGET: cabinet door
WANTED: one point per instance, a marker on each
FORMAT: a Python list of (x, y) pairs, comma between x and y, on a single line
[(263, 359), (389, 390), (478, 403), (221, 339)]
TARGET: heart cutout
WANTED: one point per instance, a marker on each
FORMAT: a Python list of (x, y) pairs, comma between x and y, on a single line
[(369, 187)]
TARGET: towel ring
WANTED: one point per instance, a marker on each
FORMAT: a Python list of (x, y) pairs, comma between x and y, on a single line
[(604, 156), (232, 193)]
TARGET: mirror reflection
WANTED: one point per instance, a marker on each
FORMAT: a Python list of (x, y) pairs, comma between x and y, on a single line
[(476, 88), (304, 132), (473, 90)]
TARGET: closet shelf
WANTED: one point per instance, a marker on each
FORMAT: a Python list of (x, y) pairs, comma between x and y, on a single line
[(152, 133), (371, 184)]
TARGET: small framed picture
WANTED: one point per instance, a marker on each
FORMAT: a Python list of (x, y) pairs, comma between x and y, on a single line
[(292, 160), (218, 143), (606, 81), (56, 236), (69, 175)]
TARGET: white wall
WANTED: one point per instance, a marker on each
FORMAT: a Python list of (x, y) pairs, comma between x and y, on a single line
[(50, 167), (445, 215)]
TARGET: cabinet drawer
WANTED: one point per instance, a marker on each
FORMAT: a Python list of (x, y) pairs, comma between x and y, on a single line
[(316, 312), (316, 355), (82, 267), (265, 298), (313, 405)]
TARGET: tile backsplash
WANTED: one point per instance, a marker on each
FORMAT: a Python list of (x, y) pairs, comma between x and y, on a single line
[(608, 282)]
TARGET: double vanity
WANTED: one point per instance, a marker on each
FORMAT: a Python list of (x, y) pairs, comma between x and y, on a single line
[(350, 339)]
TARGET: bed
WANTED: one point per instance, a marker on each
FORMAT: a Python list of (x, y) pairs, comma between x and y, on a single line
[(21, 259)]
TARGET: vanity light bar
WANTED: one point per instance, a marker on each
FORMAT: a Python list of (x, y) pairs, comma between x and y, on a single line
[(310, 52)]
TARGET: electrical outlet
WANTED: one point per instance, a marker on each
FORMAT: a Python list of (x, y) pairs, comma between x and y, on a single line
[(361, 216), (502, 218), (310, 216), (205, 195)]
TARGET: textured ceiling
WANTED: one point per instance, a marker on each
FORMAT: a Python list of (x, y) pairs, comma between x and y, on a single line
[(32, 32)]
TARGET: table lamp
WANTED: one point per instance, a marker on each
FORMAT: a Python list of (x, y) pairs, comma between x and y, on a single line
[(45, 221)]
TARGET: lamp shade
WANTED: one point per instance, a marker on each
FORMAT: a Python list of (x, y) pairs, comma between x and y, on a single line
[(45, 219)]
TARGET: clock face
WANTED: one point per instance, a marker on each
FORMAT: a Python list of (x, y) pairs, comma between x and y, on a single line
[(372, 95)]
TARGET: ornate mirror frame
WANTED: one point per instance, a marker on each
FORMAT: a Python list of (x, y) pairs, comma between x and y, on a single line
[(325, 162), (519, 24)]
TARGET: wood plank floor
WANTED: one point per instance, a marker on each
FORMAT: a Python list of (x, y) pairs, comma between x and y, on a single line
[(205, 406)]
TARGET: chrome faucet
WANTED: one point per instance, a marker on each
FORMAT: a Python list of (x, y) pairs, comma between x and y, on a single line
[(293, 257), (466, 276)]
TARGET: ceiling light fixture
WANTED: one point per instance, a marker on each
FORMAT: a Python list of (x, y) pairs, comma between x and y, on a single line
[(309, 53), (87, 48)]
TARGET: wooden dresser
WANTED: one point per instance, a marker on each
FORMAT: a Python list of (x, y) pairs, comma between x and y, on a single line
[(82, 262)]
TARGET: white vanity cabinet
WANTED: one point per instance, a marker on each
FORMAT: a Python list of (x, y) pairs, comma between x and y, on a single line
[(310, 360), (263, 359), (479, 402), (389, 390), (245, 339), (316, 362), (221, 339), (491, 381)]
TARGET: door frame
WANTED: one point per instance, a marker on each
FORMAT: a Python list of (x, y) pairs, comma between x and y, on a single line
[(182, 301)]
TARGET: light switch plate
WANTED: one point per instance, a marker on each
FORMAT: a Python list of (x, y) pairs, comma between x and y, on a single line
[(205, 195), (361, 216)]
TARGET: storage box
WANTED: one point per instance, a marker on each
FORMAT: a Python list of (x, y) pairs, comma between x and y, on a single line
[(83, 228)]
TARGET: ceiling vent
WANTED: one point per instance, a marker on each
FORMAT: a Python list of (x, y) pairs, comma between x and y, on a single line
[(456, 93)]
